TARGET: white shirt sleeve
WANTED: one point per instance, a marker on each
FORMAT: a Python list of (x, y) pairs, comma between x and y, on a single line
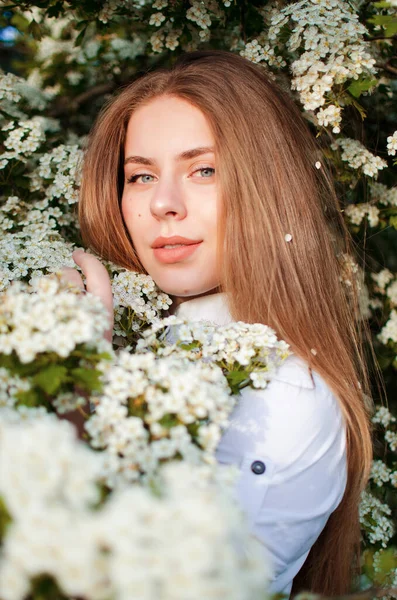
[(295, 430)]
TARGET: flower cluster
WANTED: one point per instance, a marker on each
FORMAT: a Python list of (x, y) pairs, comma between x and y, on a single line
[(154, 409), (48, 318), (8, 87), (375, 513), (51, 341), (329, 41), (202, 13), (22, 140), (389, 330), (256, 52), (381, 194), (58, 173), (386, 287), (392, 144), (24, 257), (375, 519), (357, 212), (249, 354), (138, 303), (358, 157), (187, 540)]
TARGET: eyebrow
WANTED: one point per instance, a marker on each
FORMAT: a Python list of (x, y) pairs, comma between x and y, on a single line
[(186, 155)]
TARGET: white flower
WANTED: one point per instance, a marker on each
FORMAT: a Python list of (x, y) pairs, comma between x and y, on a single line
[(159, 4), (374, 518), (389, 330), (392, 144), (143, 390), (70, 319), (391, 438), (380, 473), (183, 541), (382, 279), (391, 292), (357, 156), (326, 46), (381, 194), (330, 116), (156, 19), (383, 416)]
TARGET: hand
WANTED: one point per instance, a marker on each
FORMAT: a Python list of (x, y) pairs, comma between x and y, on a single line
[(97, 282)]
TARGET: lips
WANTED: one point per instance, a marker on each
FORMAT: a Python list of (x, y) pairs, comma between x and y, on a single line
[(160, 242), (174, 249)]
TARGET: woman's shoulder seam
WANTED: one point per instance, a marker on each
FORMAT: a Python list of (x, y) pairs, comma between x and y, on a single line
[(295, 371)]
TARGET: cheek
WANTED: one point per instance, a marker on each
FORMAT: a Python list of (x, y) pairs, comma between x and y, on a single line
[(132, 217)]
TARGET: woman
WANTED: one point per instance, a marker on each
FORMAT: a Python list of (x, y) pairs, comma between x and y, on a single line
[(218, 196)]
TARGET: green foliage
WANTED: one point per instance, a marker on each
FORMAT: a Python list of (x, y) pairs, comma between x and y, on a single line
[(388, 22), (45, 588), (5, 519), (51, 378), (50, 375), (359, 86)]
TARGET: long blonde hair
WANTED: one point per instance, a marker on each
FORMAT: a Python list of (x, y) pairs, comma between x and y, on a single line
[(270, 187)]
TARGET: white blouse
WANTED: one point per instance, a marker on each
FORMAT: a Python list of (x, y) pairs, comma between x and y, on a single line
[(289, 442)]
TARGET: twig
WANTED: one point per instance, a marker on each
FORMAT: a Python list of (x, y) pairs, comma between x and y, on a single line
[(65, 105), (387, 67), (381, 37)]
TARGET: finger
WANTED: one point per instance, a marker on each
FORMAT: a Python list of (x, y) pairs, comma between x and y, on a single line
[(97, 282), (70, 275)]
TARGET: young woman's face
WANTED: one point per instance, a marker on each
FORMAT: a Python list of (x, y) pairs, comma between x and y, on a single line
[(170, 201)]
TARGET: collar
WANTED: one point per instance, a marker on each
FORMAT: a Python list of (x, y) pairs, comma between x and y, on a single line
[(213, 308)]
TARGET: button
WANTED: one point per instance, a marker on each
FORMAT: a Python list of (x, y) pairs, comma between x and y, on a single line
[(258, 467)]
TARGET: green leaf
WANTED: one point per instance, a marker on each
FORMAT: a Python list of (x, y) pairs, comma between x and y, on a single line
[(56, 9), (358, 87), (89, 379), (190, 346), (20, 22), (5, 518), (30, 398), (393, 221), (35, 30), (79, 40), (382, 4), (51, 378), (44, 587), (169, 421), (389, 22), (236, 379)]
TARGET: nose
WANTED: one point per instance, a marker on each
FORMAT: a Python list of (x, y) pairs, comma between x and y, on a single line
[(168, 201)]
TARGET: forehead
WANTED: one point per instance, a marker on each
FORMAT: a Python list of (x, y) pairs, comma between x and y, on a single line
[(167, 124)]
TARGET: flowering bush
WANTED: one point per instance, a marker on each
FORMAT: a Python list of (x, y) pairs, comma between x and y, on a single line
[(132, 544), (338, 61), (51, 342)]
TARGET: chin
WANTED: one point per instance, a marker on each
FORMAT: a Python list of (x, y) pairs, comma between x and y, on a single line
[(183, 288)]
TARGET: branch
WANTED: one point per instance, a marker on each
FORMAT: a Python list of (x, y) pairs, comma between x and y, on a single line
[(381, 37), (65, 105), (387, 67)]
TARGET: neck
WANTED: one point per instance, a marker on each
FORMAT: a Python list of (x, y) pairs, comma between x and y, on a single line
[(178, 300)]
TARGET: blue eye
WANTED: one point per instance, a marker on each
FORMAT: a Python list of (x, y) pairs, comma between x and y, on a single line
[(211, 171), (134, 178)]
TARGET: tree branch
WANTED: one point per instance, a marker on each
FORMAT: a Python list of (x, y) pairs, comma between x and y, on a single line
[(387, 67), (65, 105)]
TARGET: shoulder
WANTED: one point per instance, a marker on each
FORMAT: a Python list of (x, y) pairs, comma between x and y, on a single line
[(296, 414), (295, 371), (296, 390)]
